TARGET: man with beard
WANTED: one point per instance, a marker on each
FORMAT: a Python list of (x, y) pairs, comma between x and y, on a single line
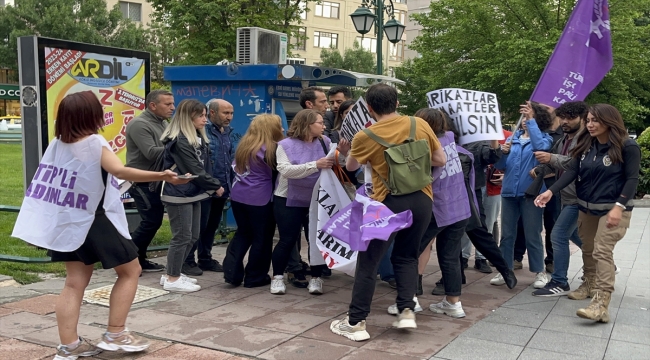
[(572, 116)]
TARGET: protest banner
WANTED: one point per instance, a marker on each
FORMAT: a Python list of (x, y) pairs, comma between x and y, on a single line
[(365, 220), (581, 58), (328, 198), (356, 120), (475, 113)]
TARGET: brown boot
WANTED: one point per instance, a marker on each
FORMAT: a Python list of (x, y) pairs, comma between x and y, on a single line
[(597, 310), (585, 290)]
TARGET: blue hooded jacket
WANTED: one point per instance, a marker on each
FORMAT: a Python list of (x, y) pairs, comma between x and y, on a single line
[(520, 160)]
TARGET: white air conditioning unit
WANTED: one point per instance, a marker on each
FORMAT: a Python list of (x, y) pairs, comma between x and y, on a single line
[(261, 46)]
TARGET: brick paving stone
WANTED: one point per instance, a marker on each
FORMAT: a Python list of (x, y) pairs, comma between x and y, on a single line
[(16, 349), (234, 313), (180, 351), (410, 343), (322, 332), (143, 320), (267, 300), (302, 348), (50, 336), (246, 340), (122, 355), (319, 307), (190, 330), (364, 354), (7, 311), (292, 323), (23, 323), (40, 305), (187, 305)]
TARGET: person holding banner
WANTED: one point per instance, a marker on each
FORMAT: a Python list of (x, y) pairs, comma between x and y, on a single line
[(88, 224), (605, 168), (393, 129), (186, 150), (252, 205), (300, 158), (517, 161)]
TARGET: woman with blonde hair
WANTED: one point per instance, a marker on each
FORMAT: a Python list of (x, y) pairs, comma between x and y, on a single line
[(252, 203), (300, 158), (186, 151)]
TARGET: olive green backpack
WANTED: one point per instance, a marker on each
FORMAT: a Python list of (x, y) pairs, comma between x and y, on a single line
[(409, 163)]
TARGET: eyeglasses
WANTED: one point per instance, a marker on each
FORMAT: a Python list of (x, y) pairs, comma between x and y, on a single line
[(319, 122)]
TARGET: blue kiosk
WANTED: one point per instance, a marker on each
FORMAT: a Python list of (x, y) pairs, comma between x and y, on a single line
[(259, 89)]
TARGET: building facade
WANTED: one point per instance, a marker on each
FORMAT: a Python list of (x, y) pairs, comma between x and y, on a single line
[(138, 11), (328, 24)]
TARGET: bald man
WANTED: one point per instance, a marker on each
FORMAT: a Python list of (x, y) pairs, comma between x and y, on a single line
[(222, 152)]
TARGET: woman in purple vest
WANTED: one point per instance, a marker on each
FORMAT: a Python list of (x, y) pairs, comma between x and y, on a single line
[(300, 158), (451, 214), (251, 197)]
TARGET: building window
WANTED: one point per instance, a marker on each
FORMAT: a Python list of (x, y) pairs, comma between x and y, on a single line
[(296, 61), (131, 10), (303, 10), (368, 44), (327, 9), (397, 51), (300, 41), (326, 40), (400, 15)]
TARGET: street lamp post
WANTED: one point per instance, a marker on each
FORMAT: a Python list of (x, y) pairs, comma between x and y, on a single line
[(363, 19)]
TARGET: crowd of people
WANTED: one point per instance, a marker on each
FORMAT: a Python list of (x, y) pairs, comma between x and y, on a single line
[(571, 171)]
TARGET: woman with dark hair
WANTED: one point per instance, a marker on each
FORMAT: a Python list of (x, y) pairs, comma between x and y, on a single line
[(605, 168), (186, 151), (517, 161), (251, 198), (300, 158), (81, 220)]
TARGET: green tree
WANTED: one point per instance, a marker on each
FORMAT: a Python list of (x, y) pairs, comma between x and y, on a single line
[(86, 21), (355, 59), (503, 46), (203, 32)]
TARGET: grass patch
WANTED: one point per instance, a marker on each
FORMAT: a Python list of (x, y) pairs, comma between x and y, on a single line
[(11, 193)]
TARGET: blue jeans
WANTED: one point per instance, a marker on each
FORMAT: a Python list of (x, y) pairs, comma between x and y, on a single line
[(385, 271), (513, 208), (565, 229)]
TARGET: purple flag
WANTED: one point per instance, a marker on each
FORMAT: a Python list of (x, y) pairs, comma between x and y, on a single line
[(365, 220), (582, 56)]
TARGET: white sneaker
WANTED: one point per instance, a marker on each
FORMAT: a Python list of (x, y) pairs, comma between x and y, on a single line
[(498, 280), (405, 320), (355, 333), (445, 307), (617, 269), (541, 279), (277, 285), (393, 308), (180, 285), (315, 286), (183, 277)]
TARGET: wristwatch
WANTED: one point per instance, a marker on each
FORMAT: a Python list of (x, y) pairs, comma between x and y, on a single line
[(621, 206)]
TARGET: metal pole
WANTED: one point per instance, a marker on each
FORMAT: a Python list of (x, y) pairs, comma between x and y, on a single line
[(380, 35)]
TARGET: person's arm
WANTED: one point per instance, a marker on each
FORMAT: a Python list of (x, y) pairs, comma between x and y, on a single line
[(540, 140), (438, 157), (291, 171), (632, 165), (145, 140), (560, 162), (567, 177), (505, 151), (113, 165), (187, 162), (489, 153)]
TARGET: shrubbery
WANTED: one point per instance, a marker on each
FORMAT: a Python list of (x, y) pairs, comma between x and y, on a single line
[(644, 180)]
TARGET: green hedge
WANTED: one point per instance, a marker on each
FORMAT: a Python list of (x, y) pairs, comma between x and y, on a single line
[(644, 180)]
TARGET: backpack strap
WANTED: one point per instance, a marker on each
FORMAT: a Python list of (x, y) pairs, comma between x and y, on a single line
[(377, 139), (412, 132)]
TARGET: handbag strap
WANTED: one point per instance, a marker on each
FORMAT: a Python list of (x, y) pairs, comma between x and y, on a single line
[(338, 170), (322, 142)]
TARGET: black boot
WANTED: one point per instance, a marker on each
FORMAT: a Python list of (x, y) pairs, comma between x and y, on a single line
[(464, 263), (420, 291), (439, 289)]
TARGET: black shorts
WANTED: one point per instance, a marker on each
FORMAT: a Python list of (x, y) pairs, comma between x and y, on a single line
[(103, 244)]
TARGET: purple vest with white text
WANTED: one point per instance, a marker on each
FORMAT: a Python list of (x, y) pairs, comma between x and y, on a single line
[(450, 202), (302, 152), (255, 186)]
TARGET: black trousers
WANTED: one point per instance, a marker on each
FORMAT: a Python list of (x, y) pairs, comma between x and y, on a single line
[(289, 220), (255, 230), (211, 213), (404, 257), (484, 242), (151, 210), (520, 242), (448, 248), (551, 213)]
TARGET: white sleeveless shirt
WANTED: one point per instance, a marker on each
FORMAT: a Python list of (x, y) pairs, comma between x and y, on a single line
[(60, 202)]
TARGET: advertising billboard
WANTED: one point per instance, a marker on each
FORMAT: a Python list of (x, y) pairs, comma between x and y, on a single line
[(50, 69)]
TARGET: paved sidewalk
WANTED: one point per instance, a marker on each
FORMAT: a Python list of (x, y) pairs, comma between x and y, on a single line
[(222, 322)]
